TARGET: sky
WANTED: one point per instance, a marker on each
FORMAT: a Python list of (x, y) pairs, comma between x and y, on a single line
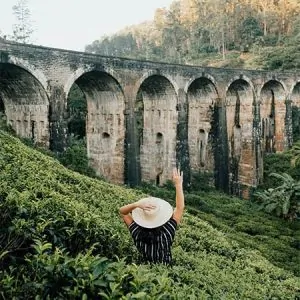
[(73, 24)]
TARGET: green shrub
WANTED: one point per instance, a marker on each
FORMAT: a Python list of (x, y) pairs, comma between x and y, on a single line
[(202, 181), (283, 200), (54, 274), (58, 228), (275, 163), (75, 157)]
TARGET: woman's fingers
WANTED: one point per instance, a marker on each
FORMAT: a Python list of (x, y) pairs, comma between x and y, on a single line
[(177, 173), (148, 207)]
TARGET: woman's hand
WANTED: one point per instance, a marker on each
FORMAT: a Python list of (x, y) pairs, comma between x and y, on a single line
[(177, 177), (145, 206)]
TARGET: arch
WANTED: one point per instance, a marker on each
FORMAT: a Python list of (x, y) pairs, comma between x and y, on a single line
[(295, 91), (157, 83), (202, 84), (235, 89), (204, 75), (273, 94), (268, 81), (38, 74), (151, 73), (87, 69), (237, 78), (26, 103)]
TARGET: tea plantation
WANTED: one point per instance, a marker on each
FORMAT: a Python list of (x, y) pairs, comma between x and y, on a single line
[(61, 238)]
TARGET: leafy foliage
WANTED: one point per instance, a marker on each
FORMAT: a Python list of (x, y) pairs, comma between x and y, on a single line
[(77, 109), (61, 237), (295, 151), (202, 181), (55, 274), (278, 163), (75, 157), (296, 123), (284, 200)]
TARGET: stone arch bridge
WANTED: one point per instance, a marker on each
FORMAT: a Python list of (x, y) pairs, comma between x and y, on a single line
[(145, 117)]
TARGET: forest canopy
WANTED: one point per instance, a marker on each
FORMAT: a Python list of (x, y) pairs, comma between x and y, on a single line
[(257, 34)]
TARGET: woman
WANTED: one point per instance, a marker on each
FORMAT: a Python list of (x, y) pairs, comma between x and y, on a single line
[(152, 223)]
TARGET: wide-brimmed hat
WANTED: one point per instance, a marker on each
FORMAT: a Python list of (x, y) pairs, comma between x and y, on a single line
[(155, 217)]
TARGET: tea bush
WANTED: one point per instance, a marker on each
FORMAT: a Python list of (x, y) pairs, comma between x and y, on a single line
[(242, 222), (61, 238)]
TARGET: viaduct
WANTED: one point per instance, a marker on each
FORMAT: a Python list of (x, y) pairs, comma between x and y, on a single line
[(146, 117)]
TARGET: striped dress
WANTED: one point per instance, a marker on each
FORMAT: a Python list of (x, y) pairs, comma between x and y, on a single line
[(154, 245)]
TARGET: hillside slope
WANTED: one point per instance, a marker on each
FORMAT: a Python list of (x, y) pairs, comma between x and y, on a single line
[(56, 225)]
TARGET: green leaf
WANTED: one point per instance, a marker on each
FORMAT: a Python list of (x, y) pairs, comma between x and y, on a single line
[(139, 295), (286, 207), (100, 283)]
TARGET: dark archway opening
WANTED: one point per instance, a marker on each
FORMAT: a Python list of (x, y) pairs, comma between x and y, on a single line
[(2, 107), (202, 147), (2, 114), (77, 112), (158, 179), (159, 138)]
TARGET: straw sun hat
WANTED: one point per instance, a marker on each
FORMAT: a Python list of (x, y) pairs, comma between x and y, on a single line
[(155, 217)]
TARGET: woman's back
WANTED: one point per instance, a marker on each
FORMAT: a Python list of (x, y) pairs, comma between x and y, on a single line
[(154, 244)]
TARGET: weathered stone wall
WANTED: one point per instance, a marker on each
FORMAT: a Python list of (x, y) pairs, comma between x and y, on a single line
[(158, 144), (241, 142), (201, 99), (105, 125), (144, 118)]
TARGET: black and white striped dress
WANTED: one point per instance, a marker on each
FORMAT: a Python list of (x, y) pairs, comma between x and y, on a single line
[(154, 245)]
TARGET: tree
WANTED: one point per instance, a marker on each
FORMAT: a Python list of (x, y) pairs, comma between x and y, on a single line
[(249, 31), (22, 30)]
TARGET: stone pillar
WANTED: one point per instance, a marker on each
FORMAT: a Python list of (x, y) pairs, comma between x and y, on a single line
[(132, 167), (259, 166), (220, 141), (288, 123), (280, 128), (182, 147), (57, 118)]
